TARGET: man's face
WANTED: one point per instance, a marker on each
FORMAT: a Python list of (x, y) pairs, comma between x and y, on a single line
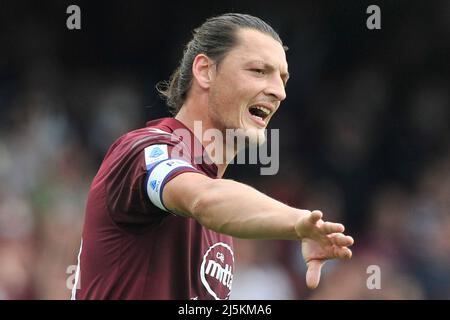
[(249, 84)]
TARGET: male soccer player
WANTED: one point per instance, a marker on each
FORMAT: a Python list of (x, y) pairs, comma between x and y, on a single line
[(159, 219)]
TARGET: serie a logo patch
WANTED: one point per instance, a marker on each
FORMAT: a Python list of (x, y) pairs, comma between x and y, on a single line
[(155, 153)]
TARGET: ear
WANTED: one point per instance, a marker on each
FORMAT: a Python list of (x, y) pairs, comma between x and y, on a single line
[(203, 70)]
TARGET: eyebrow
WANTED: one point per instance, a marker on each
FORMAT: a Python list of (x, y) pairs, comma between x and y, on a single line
[(284, 75)]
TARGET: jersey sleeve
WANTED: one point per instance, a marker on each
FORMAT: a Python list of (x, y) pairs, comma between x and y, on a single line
[(161, 168), (135, 184)]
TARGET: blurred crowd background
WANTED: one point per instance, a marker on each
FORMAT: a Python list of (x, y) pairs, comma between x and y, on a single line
[(365, 136)]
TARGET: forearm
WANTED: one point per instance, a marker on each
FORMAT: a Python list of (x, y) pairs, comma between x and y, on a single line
[(238, 210)]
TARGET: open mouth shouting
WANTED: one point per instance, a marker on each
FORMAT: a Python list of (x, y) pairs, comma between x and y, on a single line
[(260, 112)]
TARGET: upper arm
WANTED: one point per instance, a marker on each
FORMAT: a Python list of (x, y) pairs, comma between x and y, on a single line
[(182, 193)]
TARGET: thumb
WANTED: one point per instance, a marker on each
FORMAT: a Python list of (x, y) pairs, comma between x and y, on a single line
[(313, 273)]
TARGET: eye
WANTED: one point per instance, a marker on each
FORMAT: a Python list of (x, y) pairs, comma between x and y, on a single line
[(258, 71)]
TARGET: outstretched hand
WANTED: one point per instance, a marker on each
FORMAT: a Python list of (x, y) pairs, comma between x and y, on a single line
[(321, 241)]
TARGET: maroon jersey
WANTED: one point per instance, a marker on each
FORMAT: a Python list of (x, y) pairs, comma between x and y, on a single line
[(132, 247)]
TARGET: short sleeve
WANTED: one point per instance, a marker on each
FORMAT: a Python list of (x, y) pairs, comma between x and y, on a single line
[(161, 169), (136, 181)]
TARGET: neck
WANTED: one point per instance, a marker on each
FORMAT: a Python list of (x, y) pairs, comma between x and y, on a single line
[(191, 116)]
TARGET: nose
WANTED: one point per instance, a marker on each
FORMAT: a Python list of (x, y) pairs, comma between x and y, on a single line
[(276, 89)]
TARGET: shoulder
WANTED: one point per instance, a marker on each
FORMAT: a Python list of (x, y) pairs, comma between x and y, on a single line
[(153, 142)]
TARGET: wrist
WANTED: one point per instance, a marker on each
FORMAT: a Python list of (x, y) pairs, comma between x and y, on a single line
[(302, 215)]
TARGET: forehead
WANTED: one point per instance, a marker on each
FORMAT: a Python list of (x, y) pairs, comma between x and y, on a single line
[(255, 45)]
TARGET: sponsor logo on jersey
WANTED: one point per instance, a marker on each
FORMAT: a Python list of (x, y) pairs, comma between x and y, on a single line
[(216, 270)]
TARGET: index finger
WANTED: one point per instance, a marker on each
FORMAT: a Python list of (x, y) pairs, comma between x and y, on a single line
[(331, 227)]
